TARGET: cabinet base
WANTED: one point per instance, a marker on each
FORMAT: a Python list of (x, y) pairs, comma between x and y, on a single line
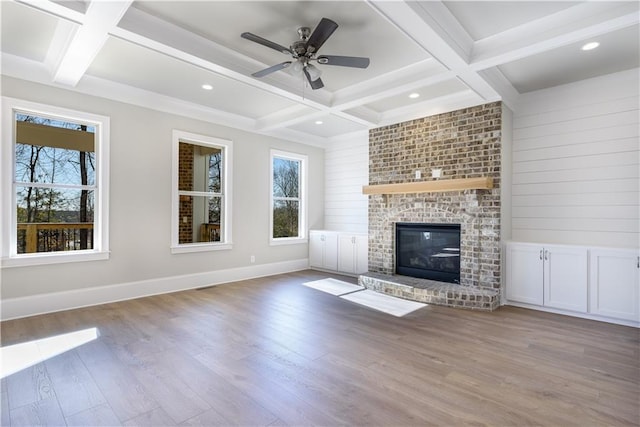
[(576, 314)]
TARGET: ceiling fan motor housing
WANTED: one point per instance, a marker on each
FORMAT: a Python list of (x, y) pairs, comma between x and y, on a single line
[(299, 48)]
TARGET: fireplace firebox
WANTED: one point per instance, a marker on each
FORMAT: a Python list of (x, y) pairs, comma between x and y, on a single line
[(428, 251)]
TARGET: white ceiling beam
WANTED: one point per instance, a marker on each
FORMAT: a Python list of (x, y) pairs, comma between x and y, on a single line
[(26, 69), (393, 83), (100, 18), (502, 85), (462, 99), (62, 36), (394, 90), (438, 17), (154, 33), (362, 115), (287, 116), (418, 23), (56, 9), (151, 32), (571, 25), (370, 118)]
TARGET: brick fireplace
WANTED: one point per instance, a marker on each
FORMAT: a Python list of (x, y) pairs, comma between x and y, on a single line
[(464, 144)]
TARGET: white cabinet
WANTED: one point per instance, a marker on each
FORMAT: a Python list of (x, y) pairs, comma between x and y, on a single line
[(525, 274), (614, 283), (550, 276), (338, 251), (353, 253), (565, 278), (323, 249)]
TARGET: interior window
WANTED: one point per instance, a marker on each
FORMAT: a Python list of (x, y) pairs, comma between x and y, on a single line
[(201, 214), (58, 185), (287, 202)]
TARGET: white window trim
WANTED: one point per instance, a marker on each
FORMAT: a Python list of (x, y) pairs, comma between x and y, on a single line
[(302, 228), (226, 241), (8, 220)]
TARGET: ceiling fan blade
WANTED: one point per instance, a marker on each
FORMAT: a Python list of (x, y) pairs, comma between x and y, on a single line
[(344, 61), (315, 84), (271, 69), (265, 42), (323, 31)]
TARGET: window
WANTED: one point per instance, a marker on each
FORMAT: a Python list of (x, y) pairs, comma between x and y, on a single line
[(54, 182), (201, 219), (288, 204)]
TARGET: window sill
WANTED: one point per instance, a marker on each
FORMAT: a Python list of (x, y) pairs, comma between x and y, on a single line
[(27, 260), (200, 247), (288, 241)]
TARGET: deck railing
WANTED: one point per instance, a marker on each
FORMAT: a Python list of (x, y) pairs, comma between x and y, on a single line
[(49, 236)]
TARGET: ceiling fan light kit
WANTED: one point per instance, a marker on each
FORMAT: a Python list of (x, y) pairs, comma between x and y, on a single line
[(305, 50)]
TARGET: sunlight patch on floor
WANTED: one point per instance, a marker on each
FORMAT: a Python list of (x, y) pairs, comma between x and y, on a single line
[(14, 358)]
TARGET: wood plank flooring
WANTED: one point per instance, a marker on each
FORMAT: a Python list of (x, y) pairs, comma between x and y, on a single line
[(271, 352)]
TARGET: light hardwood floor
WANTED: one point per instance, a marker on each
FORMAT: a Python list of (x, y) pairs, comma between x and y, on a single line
[(272, 352)]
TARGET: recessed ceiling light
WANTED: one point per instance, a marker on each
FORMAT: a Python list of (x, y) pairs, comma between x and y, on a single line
[(414, 95), (318, 122), (207, 87), (590, 45)]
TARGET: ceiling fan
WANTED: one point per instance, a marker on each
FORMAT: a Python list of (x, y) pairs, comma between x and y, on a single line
[(305, 50)]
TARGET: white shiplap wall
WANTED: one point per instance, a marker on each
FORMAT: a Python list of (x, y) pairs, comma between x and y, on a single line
[(346, 171), (576, 163)]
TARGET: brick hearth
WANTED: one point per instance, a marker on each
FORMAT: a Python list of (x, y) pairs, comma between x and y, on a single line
[(432, 292), (465, 144)]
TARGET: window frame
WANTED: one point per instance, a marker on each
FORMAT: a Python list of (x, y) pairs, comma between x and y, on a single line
[(226, 241), (302, 197), (8, 216)]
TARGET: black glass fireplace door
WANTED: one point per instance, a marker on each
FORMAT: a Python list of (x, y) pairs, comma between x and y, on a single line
[(428, 251)]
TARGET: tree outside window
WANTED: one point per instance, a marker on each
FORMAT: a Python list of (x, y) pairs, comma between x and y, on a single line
[(287, 189), (55, 183)]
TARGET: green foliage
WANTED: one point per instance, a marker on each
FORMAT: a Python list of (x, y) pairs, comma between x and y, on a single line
[(286, 203)]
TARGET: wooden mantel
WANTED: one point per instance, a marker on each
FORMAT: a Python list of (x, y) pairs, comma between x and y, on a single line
[(483, 183)]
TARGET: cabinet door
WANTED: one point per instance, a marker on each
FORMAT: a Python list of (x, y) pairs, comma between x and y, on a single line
[(330, 251), (346, 253), (362, 254), (565, 278), (614, 284), (525, 274), (316, 249)]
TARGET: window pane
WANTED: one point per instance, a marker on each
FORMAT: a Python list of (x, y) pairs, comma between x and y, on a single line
[(285, 218), (286, 177), (200, 168), (54, 152), (51, 220), (199, 219), (215, 171)]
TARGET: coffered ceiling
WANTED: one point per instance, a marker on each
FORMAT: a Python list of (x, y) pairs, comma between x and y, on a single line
[(453, 54)]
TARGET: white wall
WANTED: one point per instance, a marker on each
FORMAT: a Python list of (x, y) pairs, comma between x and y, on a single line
[(576, 163), (140, 208), (346, 171)]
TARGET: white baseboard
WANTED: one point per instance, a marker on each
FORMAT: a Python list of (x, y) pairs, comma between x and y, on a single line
[(14, 308), (576, 314)]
